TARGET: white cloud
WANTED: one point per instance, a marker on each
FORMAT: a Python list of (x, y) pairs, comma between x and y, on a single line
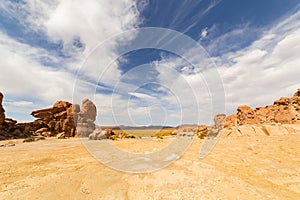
[(24, 76), (266, 70), (189, 93), (66, 21), (20, 103), (204, 33), (141, 95), (255, 75)]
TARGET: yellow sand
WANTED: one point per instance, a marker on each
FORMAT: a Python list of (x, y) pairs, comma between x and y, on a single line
[(258, 167)]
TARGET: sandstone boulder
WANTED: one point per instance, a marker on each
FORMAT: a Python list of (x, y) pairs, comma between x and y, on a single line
[(2, 115), (41, 131), (60, 106), (61, 135), (231, 120), (59, 118), (246, 115), (219, 121), (284, 111), (88, 110), (86, 117), (98, 134)]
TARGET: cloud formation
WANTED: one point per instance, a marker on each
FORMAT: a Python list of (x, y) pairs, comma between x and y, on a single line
[(78, 28), (253, 74)]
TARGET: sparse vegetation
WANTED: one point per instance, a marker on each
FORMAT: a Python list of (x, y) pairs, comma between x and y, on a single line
[(202, 132), (137, 133), (33, 139), (30, 139), (119, 134), (113, 137), (142, 133), (40, 138), (164, 132)]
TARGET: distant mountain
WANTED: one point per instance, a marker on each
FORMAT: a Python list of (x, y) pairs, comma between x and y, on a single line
[(123, 127)]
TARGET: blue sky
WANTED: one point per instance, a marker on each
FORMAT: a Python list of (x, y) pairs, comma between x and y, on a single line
[(70, 50)]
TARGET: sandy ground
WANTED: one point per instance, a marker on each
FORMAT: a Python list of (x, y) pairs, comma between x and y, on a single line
[(258, 167)]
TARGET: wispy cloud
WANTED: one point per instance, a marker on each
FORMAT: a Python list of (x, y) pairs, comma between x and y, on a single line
[(255, 74), (20, 103), (141, 95), (78, 27), (266, 69)]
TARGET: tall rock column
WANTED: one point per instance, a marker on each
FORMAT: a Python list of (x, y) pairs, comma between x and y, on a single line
[(219, 121), (2, 115), (86, 118)]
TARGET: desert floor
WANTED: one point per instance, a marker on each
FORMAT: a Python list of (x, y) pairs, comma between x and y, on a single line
[(258, 167)]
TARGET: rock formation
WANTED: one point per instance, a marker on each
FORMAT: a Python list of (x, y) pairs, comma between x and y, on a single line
[(284, 111), (60, 118), (9, 127), (66, 120), (261, 130), (219, 121), (86, 117), (99, 134), (2, 115), (231, 120)]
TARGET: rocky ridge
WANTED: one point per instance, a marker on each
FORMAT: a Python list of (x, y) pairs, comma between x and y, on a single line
[(283, 111), (281, 118), (59, 120)]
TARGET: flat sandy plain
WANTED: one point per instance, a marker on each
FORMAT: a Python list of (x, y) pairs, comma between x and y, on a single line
[(257, 167)]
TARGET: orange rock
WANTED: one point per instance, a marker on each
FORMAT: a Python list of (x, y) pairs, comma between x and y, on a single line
[(284, 111), (246, 115), (231, 120), (2, 115)]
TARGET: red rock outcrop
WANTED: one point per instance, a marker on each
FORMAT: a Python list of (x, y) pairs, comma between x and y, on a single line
[(61, 118), (2, 115), (9, 127), (246, 115), (284, 111), (231, 120)]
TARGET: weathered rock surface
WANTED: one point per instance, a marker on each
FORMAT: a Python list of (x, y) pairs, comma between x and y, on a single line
[(284, 111), (219, 121), (261, 130), (98, 134), (64, 119), (86, 117), (231, 120), (60, 118), (9, 127), (2, 115)]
